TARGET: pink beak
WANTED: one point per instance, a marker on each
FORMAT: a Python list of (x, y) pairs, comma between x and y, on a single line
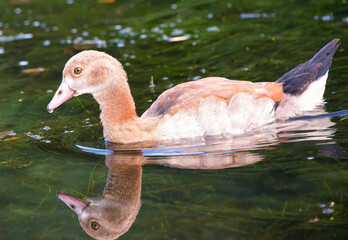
[(76, 204), (63, 94)]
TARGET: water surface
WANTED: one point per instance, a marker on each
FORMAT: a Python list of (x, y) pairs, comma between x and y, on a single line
[(282, 183)]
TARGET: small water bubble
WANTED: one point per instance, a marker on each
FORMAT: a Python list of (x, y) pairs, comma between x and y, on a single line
[(78, 39), (229, 5), (132, 41), (174, 6), (127, 64), (50, 111), (46, 128), (18, 11), (327, 211), (177, 32), (213, 29), (170, 85), (2, 50), (132, 56), (126, 31), (23, 63), (165, 37), (210, 15), (46, 43), (47, 141), (21, 92), (196, 78), (117, 27), (143, 36), (85, 33), (165, 78), (74, 30), (121, 44), (55, 28), (157, 30), (26, 22), (327, 18), (69, 1), (310, 158), (29, 134), (36, 23), (49, 90)]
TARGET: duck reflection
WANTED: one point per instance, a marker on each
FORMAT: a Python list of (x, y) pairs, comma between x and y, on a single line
[(112, 214)]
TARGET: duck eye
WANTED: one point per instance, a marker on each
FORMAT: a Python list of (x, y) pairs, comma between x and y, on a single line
[(77, 70), (95, 225)]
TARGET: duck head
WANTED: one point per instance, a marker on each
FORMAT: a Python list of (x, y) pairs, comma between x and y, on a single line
[(87, 72)]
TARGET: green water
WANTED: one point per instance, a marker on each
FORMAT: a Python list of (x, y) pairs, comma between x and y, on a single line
[(294, 184)]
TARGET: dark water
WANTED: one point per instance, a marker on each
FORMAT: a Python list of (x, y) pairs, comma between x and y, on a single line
[(289, 184)]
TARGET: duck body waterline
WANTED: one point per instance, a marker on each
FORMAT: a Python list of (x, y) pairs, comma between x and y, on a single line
[(206, 107)]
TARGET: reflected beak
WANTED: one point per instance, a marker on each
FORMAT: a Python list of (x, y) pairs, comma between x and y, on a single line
[(63, 94), (74, 203)]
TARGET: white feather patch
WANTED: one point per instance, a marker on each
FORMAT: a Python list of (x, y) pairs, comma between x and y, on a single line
[(292, 105)]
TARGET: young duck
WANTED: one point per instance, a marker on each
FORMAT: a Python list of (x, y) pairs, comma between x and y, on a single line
[(209, 106)]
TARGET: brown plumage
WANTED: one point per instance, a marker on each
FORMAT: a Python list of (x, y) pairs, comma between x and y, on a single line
[(210, 106)]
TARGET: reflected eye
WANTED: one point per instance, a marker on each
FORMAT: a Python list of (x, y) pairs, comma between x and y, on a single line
[(95, 225), (77, 70)]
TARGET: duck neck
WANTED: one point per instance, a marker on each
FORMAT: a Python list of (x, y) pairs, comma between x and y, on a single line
[(116, 104), (119, 119)]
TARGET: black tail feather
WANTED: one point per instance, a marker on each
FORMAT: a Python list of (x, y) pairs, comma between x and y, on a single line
[(296, 81)]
